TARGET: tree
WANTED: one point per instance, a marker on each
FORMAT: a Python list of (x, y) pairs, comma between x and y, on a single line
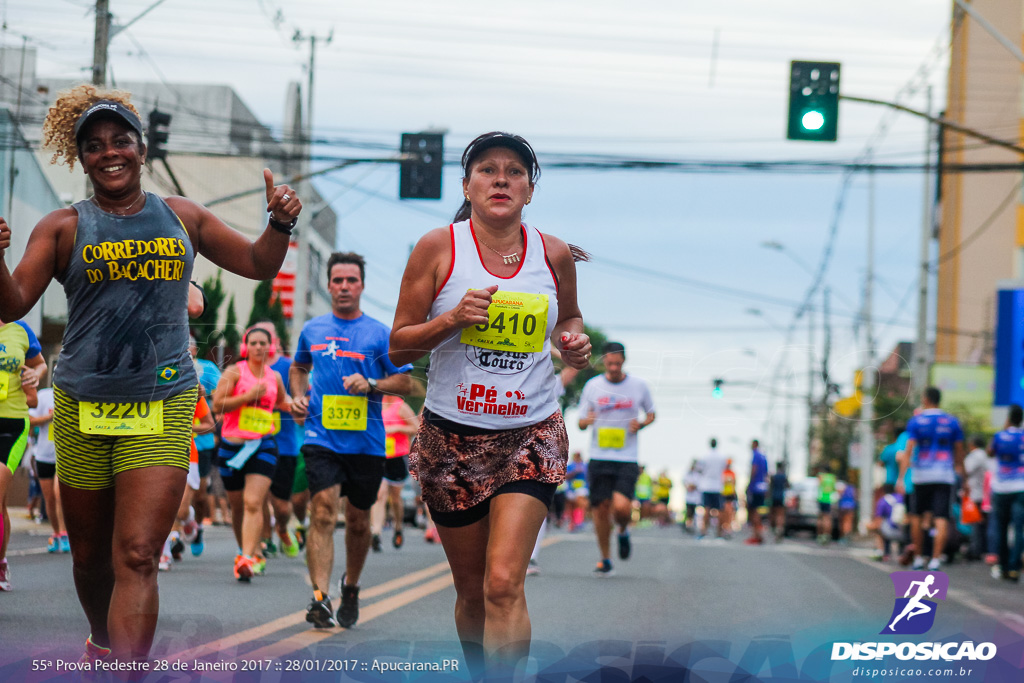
[(267, 306), (204, 328), (232, 337)]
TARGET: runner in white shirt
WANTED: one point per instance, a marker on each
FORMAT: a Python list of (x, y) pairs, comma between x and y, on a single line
[(612, 404), (45, 456), (712, 467), (693, 496)]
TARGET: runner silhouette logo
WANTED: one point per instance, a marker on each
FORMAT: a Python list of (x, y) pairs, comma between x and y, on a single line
[(916, 596)]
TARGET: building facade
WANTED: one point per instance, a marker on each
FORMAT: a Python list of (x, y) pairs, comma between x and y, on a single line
[(981, 215)]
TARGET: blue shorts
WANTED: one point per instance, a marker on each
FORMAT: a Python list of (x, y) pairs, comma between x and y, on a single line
[(755, 500), (262, 462), (712, 500)]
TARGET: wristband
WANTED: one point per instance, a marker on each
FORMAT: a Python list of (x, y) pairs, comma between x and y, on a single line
[(285, 228)]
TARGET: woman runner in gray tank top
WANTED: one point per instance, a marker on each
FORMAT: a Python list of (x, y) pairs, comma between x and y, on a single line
[(125, 388)]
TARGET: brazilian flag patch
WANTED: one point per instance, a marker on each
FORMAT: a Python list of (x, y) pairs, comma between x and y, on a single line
[(166, 374)]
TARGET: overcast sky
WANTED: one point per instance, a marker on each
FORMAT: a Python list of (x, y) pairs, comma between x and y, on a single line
[(669, 79)]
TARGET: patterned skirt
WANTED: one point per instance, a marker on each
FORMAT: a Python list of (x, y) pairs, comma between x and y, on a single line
[(457, 472)]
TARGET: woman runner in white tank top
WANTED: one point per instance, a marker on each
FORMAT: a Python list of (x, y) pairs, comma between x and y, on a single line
[(487, 297)]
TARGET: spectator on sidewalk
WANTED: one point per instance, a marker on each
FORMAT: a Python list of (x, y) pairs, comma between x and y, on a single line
[(976, 464)]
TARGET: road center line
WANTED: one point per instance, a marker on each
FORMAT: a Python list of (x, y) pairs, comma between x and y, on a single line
[(233, 641), (366, 613)]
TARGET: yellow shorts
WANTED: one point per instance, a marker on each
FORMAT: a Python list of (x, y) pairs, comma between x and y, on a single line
[(90, 461)]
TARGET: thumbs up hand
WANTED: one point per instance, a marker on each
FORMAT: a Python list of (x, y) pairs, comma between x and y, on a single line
[(282, 203)]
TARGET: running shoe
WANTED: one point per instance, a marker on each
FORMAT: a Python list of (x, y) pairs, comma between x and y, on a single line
[(991, 559), (348, 613), (996, 572), (93, 652), (259, 565), (64, 543), (533, 568), (375, 544), (907, 556), (164, 564), (289, 546), (604, 568), (934, 564), (5, 576), (177, 548), (300, 535), (753, 540), (53, 545), (430, 536), (876, 556), (189, 530), (197, 546), (320, 613), (918, 563), (625, 546), (269, 548), (1012, 575), (398, 539), (243, 568)]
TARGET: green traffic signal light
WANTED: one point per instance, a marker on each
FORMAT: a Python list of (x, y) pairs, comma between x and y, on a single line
[(812, 120), (813, 101)]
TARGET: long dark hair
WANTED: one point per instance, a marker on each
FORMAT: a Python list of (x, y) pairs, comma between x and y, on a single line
[(524, 150)]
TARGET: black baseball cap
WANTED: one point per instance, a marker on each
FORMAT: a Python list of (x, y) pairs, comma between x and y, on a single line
[(614, 347), (108, 108), (516, 143)]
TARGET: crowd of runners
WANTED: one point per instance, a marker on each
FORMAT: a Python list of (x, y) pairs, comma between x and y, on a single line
[(139, 444)]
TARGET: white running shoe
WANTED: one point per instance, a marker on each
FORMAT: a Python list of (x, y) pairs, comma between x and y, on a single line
[(934, 564)]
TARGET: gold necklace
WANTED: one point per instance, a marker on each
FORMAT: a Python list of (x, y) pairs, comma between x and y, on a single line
[(507, 258), (118, 213)]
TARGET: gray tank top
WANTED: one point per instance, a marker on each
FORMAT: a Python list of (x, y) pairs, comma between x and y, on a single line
[(127, 289)]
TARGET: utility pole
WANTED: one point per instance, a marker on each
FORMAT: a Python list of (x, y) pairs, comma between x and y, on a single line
[(919, 369), (299, 308), (99, 50), (810, 385), (867, 412)]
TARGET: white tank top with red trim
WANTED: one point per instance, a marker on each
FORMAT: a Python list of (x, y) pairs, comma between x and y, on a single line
[(483, 387)]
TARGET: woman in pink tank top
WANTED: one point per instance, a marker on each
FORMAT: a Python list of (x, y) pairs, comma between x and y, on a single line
[(247, 394)]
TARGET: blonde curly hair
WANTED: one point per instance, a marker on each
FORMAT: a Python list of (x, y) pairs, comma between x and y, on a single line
[(59, 126)]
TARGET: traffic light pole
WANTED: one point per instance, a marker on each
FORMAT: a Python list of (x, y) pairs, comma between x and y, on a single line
[(952, 125)]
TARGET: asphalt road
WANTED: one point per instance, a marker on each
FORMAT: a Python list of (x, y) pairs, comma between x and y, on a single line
[(677, 604)]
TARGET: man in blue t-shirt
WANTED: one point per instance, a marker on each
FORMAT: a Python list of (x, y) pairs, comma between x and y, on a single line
[(344, 449), (756, 491), (206, 445), (1008, 492), (934, 455)]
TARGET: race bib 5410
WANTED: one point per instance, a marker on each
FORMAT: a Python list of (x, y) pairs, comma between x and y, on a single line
[(344, 412), (515, 322), (118, 419)]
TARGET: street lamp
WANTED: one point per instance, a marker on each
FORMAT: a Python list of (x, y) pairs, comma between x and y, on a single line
[(757, 312), (775, 245)]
